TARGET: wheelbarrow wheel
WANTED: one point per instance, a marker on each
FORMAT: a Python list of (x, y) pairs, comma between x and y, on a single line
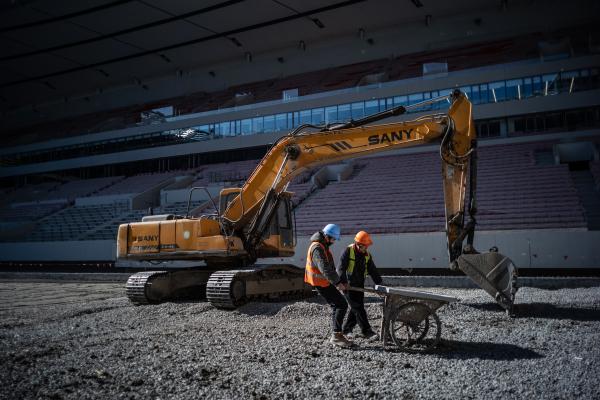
[(415, 327)]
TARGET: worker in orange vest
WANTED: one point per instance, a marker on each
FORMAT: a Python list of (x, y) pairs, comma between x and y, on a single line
[(355, 264), (320, 272)]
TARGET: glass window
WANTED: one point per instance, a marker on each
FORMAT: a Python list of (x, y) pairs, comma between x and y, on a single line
[(257, 125), (238, 127), (269, 123), (497, 92), (304, 117), (371, 107), (415, 98), (344, 113), (466, 90), (224, 129), (246, 126), (280, 122), (400, 101), (292, 120), (567, 81), (427, 96), (442, 105), (537, 86), (204, 128), (514, 89), (475, 95), (386, 104), (331, 115), (527, 88), (318, 116), (484, 94), (550, 84), (358, 110)]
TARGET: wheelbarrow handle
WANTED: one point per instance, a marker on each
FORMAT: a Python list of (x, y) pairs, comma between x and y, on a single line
[(365, 290)]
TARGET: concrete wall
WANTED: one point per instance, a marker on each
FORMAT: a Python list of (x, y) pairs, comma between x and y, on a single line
[(527, 249), (90, 250)]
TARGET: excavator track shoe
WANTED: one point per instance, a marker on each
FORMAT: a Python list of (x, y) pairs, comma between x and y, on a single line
[(136, 285), (224, 291)]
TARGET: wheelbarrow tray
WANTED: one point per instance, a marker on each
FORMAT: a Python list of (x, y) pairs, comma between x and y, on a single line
[(396, 299)]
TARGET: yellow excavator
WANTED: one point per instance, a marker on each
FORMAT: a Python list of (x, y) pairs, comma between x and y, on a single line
[(255, 220)]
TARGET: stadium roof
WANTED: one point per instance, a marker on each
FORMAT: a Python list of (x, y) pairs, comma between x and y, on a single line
[(55, 49)]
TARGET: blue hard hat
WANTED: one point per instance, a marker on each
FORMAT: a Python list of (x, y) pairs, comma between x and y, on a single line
[(332, 230)]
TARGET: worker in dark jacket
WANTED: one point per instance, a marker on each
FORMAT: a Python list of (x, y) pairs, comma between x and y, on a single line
[(356, 263), (320, 272)]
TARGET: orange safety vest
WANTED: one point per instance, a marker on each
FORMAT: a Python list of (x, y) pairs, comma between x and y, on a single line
[(312, 275)]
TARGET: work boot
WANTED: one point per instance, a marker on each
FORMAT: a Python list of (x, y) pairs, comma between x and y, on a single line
[(338, 339), (370, 335), (349, 335)]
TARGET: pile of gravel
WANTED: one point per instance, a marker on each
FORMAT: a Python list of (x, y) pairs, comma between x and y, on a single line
[(108, 348)]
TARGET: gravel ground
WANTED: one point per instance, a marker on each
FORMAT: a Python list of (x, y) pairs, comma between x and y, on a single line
[(80, 340)]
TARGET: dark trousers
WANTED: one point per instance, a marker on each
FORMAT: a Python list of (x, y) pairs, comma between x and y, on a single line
[(357, 313), (338, 305)]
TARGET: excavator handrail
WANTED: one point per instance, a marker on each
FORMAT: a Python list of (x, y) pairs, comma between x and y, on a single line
[(187, 212)]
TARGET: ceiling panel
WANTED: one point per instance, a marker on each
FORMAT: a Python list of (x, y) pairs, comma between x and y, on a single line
[(240, 15), (39, 37), (165, 35), (344, 21), (118, 18)]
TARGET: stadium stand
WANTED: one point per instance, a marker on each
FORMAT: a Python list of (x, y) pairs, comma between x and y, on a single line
[(136, 183), (402, 193), (234, 172)]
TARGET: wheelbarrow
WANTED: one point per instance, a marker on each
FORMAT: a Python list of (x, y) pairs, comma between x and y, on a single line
[(409, 317)]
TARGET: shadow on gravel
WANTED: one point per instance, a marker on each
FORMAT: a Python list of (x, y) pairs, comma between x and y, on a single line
[(543, 310), (484, 350)]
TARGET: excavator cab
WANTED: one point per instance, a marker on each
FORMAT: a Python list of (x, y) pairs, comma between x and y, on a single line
[(278, 240), (278, 237)]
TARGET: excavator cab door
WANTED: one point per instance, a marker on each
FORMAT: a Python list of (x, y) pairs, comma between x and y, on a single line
[(285, 224), (278, 239)]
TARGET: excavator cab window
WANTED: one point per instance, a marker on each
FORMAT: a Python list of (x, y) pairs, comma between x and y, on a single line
[(284, 218), (281, 224)]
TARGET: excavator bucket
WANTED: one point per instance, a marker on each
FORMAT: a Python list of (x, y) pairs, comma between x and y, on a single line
[(494, 273)]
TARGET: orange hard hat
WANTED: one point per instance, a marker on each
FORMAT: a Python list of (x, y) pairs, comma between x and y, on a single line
[(363, 237)]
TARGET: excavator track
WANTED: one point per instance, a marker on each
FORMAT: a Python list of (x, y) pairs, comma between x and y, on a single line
[(135, 288), (231, 289), (152, 287)]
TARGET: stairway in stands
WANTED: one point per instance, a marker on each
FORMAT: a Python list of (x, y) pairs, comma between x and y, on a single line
[(589, 195)]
